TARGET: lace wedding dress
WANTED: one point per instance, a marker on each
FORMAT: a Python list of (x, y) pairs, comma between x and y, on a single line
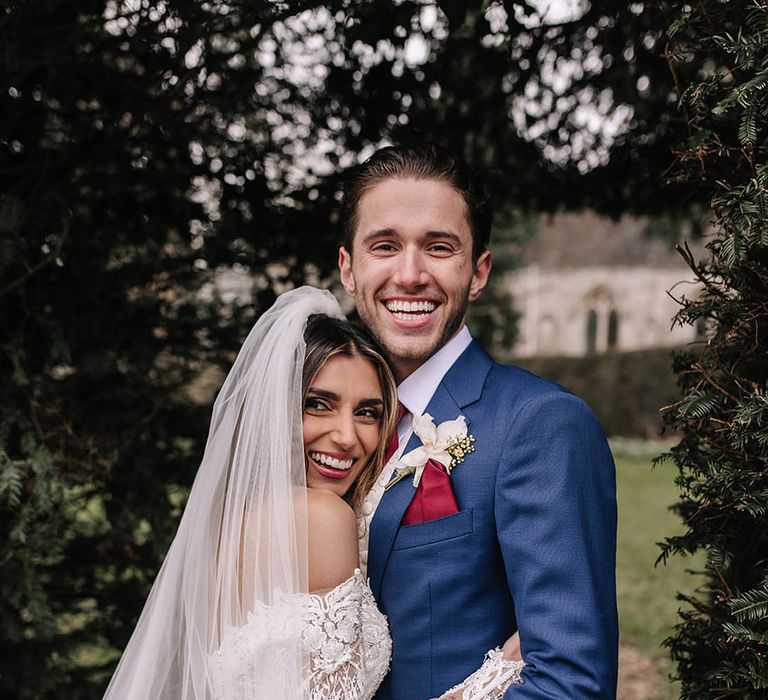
[(344, 637)]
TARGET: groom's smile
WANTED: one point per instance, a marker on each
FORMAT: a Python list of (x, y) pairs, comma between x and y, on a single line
[(412, 311), (411, 269)]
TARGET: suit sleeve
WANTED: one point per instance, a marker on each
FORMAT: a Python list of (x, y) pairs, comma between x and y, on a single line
[(555, 514)]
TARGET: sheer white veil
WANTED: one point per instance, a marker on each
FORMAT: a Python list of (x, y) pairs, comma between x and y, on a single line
[(242, 539)]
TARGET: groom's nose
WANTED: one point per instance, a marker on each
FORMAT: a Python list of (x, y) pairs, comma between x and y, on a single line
[(411, 270)]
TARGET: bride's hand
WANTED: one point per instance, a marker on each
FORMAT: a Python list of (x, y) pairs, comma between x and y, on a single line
[(509, 652), (511, 649)]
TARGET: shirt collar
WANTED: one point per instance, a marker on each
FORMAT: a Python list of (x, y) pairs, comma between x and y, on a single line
[(416, 390)]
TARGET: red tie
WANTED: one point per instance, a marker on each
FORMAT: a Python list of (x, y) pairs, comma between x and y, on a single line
[(433, 498), (393, 441)]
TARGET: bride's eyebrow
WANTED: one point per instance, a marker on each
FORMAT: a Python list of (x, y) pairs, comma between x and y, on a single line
[(371, 402), (323, 394)]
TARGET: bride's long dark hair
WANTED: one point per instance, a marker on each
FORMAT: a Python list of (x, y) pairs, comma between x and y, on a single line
[(326, 337)]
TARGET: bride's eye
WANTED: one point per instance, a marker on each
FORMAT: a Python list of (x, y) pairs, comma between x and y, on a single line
[(312, 404), (372, 414)]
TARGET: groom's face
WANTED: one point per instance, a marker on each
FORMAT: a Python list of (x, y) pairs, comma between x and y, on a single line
[(411, 269)]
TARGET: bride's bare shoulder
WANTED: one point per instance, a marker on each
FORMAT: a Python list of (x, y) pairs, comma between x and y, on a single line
[(333, 553), (322, 502), (328, 512)]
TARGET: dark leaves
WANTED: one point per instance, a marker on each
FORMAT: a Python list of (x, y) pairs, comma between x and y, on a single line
[(720, 641)]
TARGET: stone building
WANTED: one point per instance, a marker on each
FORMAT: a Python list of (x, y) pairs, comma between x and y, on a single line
[(592, 285)]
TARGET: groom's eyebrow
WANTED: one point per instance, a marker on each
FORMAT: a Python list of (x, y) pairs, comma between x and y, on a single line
[(372, 236), (442, 235), (378, 233)]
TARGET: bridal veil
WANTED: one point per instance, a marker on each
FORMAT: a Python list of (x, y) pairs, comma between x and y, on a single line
[(242, 540)]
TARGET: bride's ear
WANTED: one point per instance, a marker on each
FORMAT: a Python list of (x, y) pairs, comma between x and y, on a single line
[(345, 270)]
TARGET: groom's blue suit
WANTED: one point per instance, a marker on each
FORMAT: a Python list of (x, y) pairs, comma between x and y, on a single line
[(532, 547)]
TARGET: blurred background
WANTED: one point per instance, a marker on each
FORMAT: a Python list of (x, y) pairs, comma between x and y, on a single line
[(167, 167)]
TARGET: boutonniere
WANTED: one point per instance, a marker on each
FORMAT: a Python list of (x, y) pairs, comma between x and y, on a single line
[(447, 443)]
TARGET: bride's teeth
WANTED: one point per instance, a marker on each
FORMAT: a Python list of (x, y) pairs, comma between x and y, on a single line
[(328, 461)]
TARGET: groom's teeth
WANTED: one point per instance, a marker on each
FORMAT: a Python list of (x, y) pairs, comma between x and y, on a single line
[(410, 309), (332, 462), (409, 316)]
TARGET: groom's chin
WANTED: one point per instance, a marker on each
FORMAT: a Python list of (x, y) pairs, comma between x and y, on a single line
[(408, 354), (416, 348)]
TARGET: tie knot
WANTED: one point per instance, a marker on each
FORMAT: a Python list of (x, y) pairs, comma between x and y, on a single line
[(393, 441)]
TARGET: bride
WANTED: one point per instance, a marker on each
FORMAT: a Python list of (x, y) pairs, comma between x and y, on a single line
[(259, 596)]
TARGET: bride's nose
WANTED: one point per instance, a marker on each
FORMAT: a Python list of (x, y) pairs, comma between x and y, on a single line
[(344, 434)]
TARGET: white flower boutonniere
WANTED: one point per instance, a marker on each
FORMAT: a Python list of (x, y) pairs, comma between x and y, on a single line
[(447, 443)]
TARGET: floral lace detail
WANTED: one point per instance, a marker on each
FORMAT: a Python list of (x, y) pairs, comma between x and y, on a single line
[(489, 681), (366, 510), (343, 635)]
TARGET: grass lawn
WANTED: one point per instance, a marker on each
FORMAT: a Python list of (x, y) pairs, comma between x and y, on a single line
[(646, 594)]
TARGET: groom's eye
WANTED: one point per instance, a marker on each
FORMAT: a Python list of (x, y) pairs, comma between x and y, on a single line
[(383, 247)]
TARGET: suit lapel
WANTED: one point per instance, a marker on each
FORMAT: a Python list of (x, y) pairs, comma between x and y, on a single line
[(461, 386)]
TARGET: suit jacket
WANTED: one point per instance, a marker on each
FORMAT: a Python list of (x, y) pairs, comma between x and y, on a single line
[(532, 547)]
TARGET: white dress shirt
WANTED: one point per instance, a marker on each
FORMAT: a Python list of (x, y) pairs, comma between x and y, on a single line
[(414, 392), (417, 389)]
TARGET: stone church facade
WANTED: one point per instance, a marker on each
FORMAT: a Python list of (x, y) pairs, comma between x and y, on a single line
[(591, 285)]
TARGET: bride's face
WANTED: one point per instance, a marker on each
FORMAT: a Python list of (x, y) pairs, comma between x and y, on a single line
[(342, 421)]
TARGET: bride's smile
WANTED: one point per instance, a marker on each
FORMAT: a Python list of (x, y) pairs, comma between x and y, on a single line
[(342, 422), (338, 463)]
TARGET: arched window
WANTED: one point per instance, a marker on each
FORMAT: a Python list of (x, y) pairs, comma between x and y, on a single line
[(547, 335), (613, 329), (602, 320), (591, 331)]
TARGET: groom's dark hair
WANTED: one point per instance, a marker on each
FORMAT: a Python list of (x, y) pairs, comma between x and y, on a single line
[(420, 161)]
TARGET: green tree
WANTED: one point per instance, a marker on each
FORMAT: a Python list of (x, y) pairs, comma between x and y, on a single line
[(570, 111), (719, 57), (136, 158), (493, 317)]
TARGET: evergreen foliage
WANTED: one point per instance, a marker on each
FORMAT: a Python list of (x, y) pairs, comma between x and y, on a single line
[(718, 54), (526, 96), (135, 159)]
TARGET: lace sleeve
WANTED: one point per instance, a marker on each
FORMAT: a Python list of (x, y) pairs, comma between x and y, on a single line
[(347, 642), (489, 681), (344, 638), (332, 636)]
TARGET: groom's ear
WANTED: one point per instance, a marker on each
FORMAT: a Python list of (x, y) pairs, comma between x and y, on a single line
[(480, 275), (345, 270)]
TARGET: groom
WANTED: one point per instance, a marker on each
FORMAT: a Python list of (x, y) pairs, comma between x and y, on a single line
[(520, 535)]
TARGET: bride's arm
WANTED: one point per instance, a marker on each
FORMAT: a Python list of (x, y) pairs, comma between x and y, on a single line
[(334, 626), (332, 540), (511, 649), (500, 669)]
